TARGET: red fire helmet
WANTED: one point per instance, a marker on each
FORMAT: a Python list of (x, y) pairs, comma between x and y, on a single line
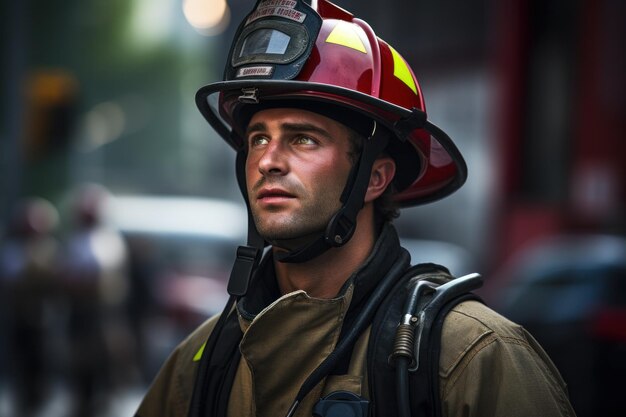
[(316, 55)]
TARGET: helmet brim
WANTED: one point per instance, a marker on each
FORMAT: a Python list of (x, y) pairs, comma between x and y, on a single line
[(429, 165)]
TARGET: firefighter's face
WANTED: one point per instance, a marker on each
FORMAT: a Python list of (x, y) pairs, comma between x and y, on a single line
[(297, 166)]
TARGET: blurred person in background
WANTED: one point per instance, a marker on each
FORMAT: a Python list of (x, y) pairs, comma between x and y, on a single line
[(331, 137), (143, 307), (28, 290), (94, 271)]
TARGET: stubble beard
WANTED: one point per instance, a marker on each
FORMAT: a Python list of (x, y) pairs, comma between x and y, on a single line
[(290, 231), (298, 227)]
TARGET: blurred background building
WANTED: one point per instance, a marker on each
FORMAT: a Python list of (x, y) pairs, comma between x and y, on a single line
[(532, 92)]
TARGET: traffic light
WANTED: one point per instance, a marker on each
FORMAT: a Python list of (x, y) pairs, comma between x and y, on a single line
[(51, 112)]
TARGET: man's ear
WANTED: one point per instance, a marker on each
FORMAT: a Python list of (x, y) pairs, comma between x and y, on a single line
[(383, 171)]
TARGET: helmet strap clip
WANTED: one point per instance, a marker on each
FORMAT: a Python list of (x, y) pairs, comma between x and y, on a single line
[(249, 95), (406, 125)]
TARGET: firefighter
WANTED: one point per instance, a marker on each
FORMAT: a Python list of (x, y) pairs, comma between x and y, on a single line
[(329, 127)]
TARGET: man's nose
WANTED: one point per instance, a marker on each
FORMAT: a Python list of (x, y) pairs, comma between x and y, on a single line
[(274, 159)]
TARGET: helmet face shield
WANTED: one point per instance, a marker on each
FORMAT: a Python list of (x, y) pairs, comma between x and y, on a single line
[(276, 44), (274, 40), (264, 44)]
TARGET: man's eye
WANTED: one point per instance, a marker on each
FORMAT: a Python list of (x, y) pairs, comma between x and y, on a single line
[(258, 140), (305, 140)]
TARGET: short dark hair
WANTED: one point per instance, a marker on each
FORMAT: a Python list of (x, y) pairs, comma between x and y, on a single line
[(385, 207)]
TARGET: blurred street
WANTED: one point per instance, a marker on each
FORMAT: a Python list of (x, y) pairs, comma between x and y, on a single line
[(123, 403)]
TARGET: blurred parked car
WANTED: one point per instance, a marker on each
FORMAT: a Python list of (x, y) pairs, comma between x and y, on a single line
[(182, 239), (570, 293), (181, 252), (455, 258)]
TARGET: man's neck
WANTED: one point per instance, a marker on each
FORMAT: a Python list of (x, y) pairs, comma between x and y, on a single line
[(323, 276)]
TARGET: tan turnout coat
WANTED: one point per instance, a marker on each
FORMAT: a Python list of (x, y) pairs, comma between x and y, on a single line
[(488, 366)]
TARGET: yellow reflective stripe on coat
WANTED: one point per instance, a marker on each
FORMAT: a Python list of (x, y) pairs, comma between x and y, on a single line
[(199, 353)]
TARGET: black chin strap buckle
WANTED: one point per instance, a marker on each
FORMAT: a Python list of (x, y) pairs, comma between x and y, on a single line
[(340, 228), (248, 259), (341, 404)]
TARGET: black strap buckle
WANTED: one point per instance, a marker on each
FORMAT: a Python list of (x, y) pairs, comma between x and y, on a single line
[(248, 258)]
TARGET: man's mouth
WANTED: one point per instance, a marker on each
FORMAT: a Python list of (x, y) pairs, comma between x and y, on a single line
[(273, 194)]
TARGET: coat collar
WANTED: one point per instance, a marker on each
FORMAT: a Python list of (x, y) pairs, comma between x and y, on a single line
[(264, 287)]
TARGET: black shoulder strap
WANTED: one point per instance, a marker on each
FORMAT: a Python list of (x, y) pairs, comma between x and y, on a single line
[(423, 380), (425, 383), (217, 368)]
